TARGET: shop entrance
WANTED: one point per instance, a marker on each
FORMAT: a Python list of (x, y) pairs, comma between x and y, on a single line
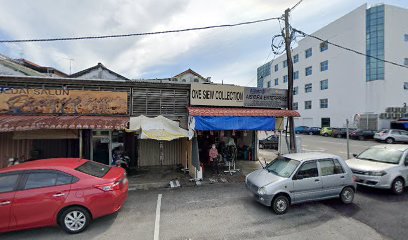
[(101, 145)]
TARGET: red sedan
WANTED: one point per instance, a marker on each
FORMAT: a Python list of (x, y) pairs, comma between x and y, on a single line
[(65, 192)]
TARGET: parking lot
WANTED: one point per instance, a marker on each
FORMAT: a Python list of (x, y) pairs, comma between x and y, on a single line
[(228, 211)]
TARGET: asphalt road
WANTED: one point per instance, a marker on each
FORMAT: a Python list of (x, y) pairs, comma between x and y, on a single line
[(223, 211)]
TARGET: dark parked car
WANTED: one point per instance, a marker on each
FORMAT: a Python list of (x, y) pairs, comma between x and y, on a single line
[(362, 134), (342, 132), (313, 131), (301, 129), (270, 142)]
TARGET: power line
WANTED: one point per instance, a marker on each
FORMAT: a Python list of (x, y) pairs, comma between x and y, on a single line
[(349, 49), (136, 34), (297, 4)]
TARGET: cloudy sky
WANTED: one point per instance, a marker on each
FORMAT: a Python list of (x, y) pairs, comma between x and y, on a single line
[(230, 54)]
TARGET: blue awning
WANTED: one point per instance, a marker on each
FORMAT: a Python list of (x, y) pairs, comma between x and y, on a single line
[(234, 123)]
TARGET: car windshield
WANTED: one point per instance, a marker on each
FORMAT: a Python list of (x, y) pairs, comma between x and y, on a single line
[(384, 155), (282, 166)]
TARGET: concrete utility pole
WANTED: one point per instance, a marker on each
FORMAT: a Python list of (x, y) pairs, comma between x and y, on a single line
[(288, 40)]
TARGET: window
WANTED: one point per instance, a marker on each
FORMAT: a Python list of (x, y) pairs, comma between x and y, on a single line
[(324, 46), (308, 71), (295, 106), (41, 179), (308, 88), (8, 183), (276, 67), (63, 179), (285, 63), (325, 122), (324, 66), (295, 90), (285, 78), (324, 84), (324, 103), (296, 58), (295, 75), (93, 169), (406, 61), (262, 71), (329, 167), (308, 104), (195, 79), (268, 84), (308, 170), (276, 81), (406, 37), (375, 43), (308, 53), (405, 85)]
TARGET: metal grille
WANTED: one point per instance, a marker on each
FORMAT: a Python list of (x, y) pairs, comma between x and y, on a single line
[(154, 102)]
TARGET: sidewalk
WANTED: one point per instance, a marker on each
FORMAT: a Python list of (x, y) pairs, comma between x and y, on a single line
[(160, 176)]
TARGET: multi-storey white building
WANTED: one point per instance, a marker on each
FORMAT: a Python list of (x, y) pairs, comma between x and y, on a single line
[(333, 84)]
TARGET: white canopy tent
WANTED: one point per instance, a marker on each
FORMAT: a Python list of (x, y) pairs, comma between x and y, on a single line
[(157, 128)]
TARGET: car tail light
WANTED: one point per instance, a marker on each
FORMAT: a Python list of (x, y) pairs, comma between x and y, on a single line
[(109, 186)]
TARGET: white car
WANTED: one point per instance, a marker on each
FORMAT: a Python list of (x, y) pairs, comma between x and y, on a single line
[(382, 166), (392, 135)]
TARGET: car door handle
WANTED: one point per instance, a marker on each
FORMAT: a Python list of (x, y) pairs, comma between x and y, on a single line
[(5, 203), (59, 195), (317, 180), (341, 176)]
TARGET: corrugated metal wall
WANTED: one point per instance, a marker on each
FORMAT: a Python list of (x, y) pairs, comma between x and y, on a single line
[(149, 153), (164, 153), (10, 148)]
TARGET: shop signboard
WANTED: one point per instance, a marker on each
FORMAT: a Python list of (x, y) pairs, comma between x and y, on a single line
[(62, 101), (216, 95), (265, 98)]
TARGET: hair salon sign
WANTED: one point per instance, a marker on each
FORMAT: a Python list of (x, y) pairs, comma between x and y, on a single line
[(62, 101), (236, 96)]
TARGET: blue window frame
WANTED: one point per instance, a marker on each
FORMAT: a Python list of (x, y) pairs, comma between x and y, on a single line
[(324, 84), (285, 78), (276, 81), (324, 66), (308, 104), (308, 52), (269, 84), (308, 71), (308, 88), (295, 75), (324, 46), (296, 58), (324, 103), (295, 90)]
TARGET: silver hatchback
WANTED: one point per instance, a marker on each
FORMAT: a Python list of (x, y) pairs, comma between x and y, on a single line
[(392, 135), (301, 177)]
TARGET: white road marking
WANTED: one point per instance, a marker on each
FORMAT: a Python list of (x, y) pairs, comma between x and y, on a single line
[(157, 223), (132, 189)]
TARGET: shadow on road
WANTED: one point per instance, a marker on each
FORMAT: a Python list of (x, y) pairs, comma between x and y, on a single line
[(95, 229)]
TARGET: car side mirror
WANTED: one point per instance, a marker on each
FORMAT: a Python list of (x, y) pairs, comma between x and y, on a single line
[(355, 154)]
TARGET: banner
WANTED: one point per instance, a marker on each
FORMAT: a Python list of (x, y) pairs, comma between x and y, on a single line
[(266, 98), (62, 101)]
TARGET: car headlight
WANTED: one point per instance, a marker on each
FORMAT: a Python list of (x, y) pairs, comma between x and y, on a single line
[(262, 191), (378, 174)]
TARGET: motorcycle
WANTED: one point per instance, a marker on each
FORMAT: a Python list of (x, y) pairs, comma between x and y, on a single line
[(122, 161)]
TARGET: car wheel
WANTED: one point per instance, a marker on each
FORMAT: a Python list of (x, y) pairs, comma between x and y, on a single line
[(361, 138), (338, 136), (297, 132), (347, 195), (261, 146), (310, 133), (74, 219), (326, 135), (280, 204), (390, 140), (397, 186)]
